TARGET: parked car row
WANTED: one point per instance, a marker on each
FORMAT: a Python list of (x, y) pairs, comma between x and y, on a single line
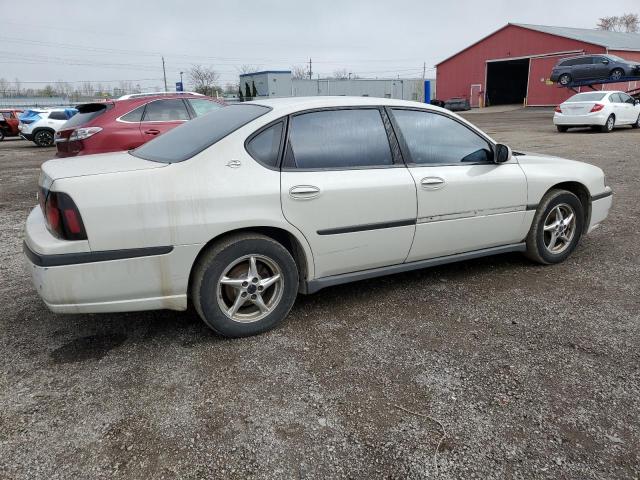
[(105, 126)]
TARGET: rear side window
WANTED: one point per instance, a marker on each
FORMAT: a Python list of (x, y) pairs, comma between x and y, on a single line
[(202, 107), (338, 139), (265, 146), (166, 111), (87, 113), (134, 115), (615, 98), (436, 139), (193, 137)]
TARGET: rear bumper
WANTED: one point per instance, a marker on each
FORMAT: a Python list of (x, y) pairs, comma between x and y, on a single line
[(596, 118), (600, 205), (85, 281)]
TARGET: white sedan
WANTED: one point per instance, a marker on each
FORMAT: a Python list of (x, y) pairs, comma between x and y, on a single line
[(599, 110), (242, 209)]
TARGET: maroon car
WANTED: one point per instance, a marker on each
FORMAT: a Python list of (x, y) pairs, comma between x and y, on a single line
[(128, 122), (9, 123)]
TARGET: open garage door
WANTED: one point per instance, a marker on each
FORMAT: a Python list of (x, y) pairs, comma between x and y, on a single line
[(507, 81)]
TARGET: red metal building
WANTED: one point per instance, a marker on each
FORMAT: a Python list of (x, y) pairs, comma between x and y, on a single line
[(513, 64)]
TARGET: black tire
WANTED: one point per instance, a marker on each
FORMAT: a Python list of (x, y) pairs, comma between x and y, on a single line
[(43, 138), (561, 128), (616, 74), (637, 124), (609, 125), (1, 135), (565, 79), (213, 265), (537, 248)]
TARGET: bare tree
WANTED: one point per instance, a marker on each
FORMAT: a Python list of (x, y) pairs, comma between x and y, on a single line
[(17, 85), (203, 79), (231, 88), (628, 22), (242, 69), (4, 87), (341, 74), (87, 89), (298, 71)]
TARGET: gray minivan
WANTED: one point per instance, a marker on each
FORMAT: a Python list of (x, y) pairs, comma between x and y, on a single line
[(593, 67)]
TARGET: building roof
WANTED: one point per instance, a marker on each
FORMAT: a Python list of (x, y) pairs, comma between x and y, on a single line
[(603, 38), (263, 72), (610, 40)]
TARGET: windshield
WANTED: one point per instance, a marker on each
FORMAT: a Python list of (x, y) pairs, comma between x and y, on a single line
[(191, 138), (586, 97)]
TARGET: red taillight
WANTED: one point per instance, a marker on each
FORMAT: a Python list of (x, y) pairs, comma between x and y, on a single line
[(597, 107), (62, 216), (558, 109)]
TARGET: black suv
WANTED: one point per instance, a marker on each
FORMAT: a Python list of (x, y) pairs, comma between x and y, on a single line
[(593, 67)]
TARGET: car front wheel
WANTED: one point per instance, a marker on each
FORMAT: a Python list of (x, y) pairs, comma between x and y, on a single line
[(561, 128), (245, 285), (557, 227), (616, 74), (637, 124), (43, 138), (1, 135)]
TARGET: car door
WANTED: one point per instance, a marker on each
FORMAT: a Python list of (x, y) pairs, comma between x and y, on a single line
[(618, 108), (600, 67), (160, 116), (628, 104), (583, 68), (466, 201), (346, 190)]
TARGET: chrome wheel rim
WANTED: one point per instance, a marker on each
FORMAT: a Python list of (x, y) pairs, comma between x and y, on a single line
[(559, 228), (564, 79), (616, 75), (610, 123), (250, 288)]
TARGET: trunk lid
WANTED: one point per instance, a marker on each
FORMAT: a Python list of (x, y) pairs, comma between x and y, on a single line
[(577, 108), (99, 164)]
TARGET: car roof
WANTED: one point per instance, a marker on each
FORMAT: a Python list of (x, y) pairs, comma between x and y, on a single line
[(304, 103)]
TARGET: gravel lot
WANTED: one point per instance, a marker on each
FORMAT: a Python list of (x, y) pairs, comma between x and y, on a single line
[(533, 372)]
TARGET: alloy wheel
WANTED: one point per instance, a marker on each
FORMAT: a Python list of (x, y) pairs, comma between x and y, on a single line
[(250, 288), (559, 228), (616, 75)]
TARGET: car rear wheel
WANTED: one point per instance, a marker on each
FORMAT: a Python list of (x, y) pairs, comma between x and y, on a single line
[(557, 227), (565, 79), (43, 138), (616, 74), (245, 285), (562, 129), (609, 124)]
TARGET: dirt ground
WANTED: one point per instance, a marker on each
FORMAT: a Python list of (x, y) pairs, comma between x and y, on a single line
[(508, 369)]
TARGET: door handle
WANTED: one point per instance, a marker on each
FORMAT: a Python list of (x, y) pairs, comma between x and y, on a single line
[(432, 183), (304, 192), (152, 131)]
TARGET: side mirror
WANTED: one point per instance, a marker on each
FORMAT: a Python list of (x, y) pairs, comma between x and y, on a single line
[(605, 61), (502, 153)]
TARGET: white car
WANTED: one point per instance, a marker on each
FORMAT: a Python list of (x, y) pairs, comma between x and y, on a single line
[(40, 126), (242, 209), (600, 110)]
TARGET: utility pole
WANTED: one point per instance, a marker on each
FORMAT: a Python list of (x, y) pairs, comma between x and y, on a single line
[(164, 72), (424, 70), (310, 71)]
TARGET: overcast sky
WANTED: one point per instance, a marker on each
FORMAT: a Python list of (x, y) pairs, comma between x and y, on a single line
[(74, 41)]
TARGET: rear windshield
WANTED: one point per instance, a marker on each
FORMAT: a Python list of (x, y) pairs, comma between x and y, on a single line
[(86, 113), (191, 138), (587, 97)]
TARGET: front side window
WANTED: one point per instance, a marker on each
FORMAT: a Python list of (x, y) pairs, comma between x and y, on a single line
[(202, 107), (169, 110), (432, 138), (338, 139), (265, 146), (626, 98)]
